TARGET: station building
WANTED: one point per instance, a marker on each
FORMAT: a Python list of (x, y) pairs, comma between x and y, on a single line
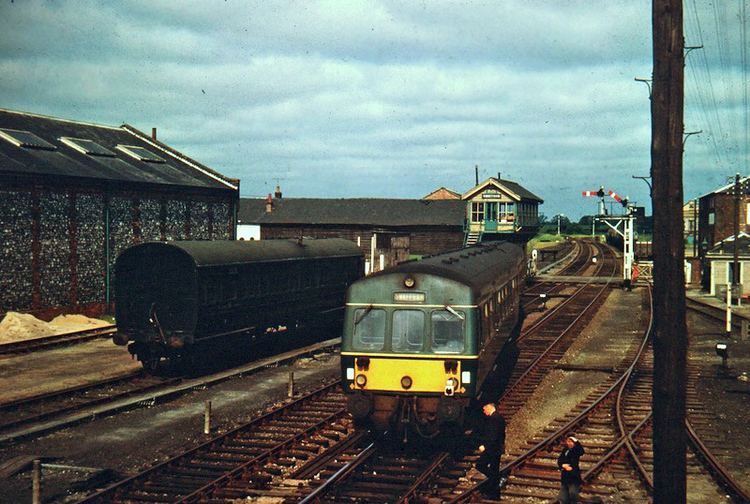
[(498, 209), (720, 264), (389, 230), (73, 195)]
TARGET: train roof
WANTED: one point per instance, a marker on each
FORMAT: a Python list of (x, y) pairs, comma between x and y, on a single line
[(475, 266), (223, 252)]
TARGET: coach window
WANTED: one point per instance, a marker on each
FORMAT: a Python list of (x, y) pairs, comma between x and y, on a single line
[(447, 331), (408, 330), (369, 329)]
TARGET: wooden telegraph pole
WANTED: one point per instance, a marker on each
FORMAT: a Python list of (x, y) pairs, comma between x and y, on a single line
[(670, 331)]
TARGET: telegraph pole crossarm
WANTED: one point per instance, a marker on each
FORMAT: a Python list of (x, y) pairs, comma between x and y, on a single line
[(647, 180)]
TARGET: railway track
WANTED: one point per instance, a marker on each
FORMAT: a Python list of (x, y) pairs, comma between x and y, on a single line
[(44, 409), (614, 424), (46, 342), (252, 454), (35, 415), (547, 339)]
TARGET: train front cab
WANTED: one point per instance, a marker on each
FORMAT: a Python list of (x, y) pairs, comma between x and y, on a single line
[(408, 355)]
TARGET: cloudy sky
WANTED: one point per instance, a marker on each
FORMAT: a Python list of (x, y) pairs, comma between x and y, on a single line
[(387, 99)]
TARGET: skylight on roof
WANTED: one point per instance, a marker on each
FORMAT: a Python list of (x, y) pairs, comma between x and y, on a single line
[(87, 146), (25, 139), (140, 153)]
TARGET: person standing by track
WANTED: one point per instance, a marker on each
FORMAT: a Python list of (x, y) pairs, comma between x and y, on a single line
[(570, 471), (492, 446)]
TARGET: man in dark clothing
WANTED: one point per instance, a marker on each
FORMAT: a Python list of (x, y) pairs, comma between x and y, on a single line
[(492, 445), (570, 471)]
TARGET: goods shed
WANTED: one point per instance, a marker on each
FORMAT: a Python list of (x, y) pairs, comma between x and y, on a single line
[(388, 231), (73, 195)]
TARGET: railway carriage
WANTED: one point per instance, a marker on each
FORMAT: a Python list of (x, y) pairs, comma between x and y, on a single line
[(177, 299), (421, 340)]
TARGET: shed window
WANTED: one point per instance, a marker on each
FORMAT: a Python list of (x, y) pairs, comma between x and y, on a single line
[(140, 153), (369, 329), (447, 332), (26, 139), (408, 330), (87, 147)]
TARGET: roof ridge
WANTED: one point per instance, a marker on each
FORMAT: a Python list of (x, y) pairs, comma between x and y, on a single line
[(60, 119), (232, 183)]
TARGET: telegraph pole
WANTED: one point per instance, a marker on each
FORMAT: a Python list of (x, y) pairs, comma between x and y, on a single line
[(670, 329)]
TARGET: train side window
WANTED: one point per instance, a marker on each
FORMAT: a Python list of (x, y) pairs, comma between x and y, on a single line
[(213, 292), (369, 329), (447, 332), (408, 330)]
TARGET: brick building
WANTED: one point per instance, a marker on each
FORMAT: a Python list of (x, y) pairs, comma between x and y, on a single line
[(73, 195), (390, 230), (716, 215), (442, 193)]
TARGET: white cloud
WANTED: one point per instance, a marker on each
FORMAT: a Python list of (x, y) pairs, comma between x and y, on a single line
[(376, 98)]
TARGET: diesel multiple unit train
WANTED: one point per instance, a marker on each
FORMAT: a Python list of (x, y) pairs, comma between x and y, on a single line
[(175, 300), (421, 339)]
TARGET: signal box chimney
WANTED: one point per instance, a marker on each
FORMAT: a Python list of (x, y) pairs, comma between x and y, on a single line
[(269, 203)]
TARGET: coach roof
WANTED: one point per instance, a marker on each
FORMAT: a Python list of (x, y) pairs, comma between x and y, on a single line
[(219, 253), (476, 267)]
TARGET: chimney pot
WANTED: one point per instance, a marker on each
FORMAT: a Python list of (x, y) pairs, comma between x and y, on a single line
[(269, 203), (153, 133), (277, 194)]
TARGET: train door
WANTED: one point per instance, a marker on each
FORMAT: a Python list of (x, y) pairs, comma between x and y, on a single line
[(490, 216)]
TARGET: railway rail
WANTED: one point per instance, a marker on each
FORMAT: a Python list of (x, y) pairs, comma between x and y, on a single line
[(614, 424), (57, 340), (329, 461), (46, 412), (254, 453)]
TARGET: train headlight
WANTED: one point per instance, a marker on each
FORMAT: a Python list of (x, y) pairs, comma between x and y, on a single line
[(409, 282), (360, 380), (466, 376), (450, 386), (350, 373), (406, 382)]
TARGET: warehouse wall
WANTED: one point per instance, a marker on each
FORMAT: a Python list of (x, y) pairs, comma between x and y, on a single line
[(53, 245)]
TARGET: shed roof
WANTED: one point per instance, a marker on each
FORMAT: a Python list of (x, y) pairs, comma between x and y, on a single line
[(354, 211), (726, 246), (112, 160)]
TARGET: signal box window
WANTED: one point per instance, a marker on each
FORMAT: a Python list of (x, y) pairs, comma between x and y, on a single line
[(369, 329), (447, 332), (408, 331), (477, 212)]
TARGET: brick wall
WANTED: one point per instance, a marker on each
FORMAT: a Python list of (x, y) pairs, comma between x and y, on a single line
[(53, 246)]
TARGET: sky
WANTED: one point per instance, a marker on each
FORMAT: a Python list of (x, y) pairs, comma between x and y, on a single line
[(384, 99)]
